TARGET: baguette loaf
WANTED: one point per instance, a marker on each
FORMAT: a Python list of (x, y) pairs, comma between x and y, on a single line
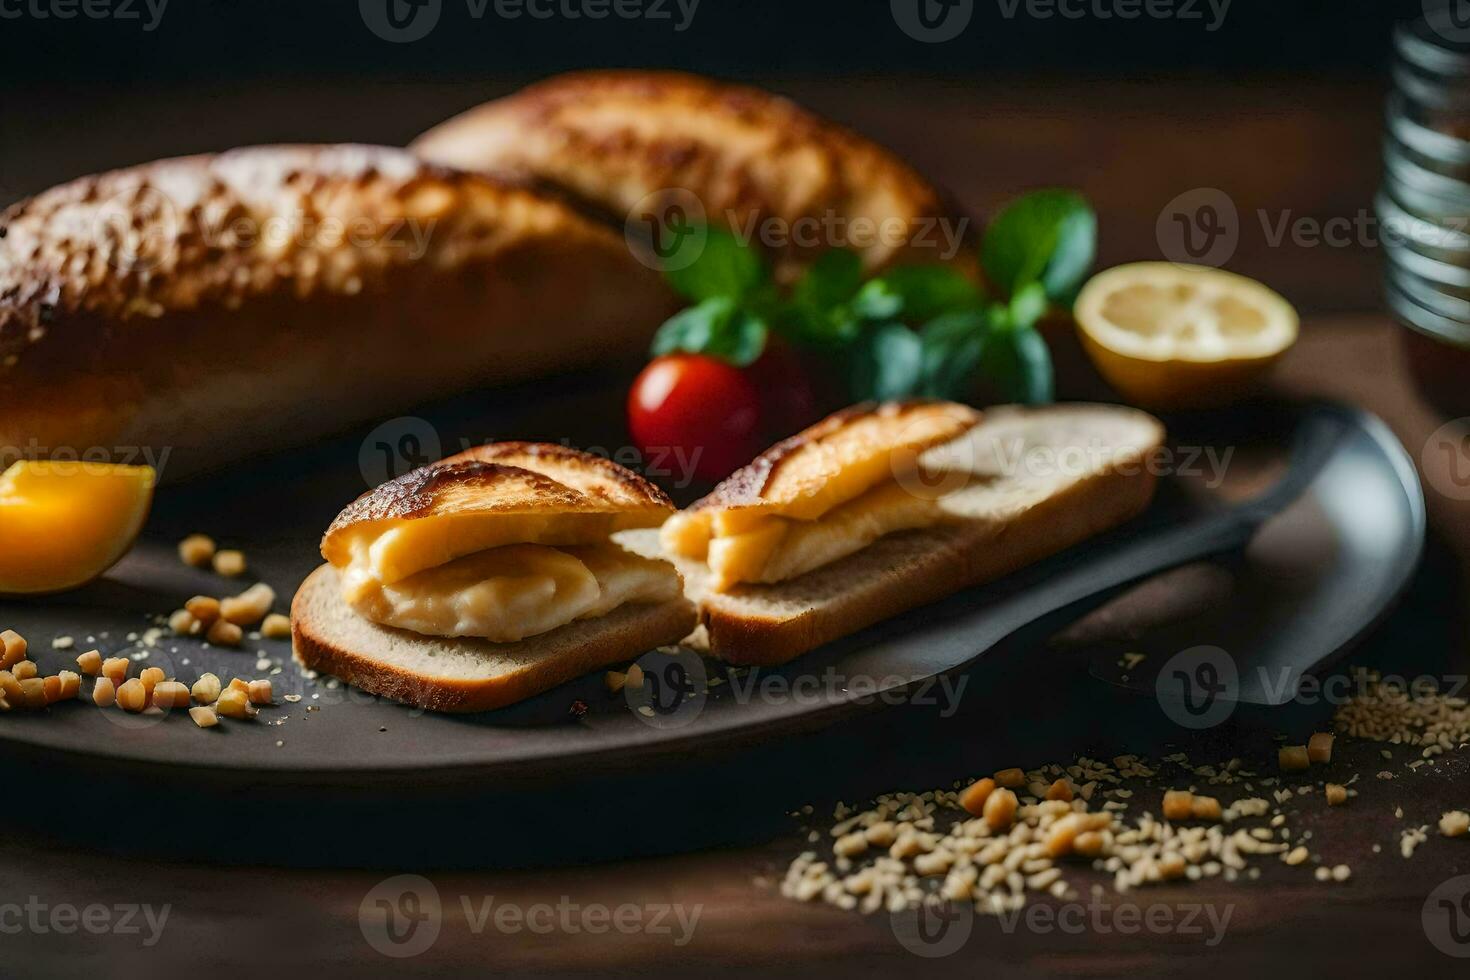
[(212, 307), (617, 141), (1043, 480)]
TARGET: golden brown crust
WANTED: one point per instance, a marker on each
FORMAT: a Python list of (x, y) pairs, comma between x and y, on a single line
[(197, 304), (487, 479), (911, 426), (623, 635), (591, 475), (611, 138)]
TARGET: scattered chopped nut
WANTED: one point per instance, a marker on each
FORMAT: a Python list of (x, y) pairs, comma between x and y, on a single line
[(974, 797), (1178, 804), (1010, 778), (276, 627), (12, 648), (132, 696), (1205, 808), (225, 634), (90, 662), (1292, 758), (9, 687), (71, 684), (115, 669), (104, 692), (182, 622), (229, 563), (1456, 823), (259, 692), (233, 703), (196, 550), (150, 678), (1000, 808), (32, 693), (206, 689), (1060, 790), (1337, 795), (205, 609), (204, 716), (24, 670), (635, 678), (249, 606), (1319, 747), (614, 680), (170, 694)]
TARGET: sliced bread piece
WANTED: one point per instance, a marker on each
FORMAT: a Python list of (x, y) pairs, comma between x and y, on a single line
[(1041, 480), (466, 674)]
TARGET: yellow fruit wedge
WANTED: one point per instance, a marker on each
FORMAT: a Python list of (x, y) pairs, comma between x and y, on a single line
[(1182, 336), (62, 524)]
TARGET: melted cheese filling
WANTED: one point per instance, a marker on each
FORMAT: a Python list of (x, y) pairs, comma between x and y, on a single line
[(422, 581), (768, 548)]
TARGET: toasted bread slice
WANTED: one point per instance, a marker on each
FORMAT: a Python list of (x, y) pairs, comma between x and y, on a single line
[(839, 457), (617, 141), (490, 495), (458, 675), (1039, 481)]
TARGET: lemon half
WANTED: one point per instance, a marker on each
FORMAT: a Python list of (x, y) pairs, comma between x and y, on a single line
[(1182, 336)]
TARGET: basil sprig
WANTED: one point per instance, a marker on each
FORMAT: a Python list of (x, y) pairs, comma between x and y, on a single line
[(914, 330)]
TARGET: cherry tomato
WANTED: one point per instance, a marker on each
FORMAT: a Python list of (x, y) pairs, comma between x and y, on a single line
[(696, 412), (788, 398)]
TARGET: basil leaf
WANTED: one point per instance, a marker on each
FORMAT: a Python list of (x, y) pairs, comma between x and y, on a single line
[(724, 267), (926, 291), (716, 327), (830, 281), (886, 362), (877, 300), (1027, 306), (952, 346), (1048, 236), (1018, 363)]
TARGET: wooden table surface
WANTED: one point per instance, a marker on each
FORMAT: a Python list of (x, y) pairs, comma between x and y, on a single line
[(1281, 149)]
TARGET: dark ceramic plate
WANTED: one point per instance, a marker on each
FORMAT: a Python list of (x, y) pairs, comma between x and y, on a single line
[(1328, 488)]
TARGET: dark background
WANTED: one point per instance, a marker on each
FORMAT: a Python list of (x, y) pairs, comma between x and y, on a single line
[(211, 40), (1280, 106)]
